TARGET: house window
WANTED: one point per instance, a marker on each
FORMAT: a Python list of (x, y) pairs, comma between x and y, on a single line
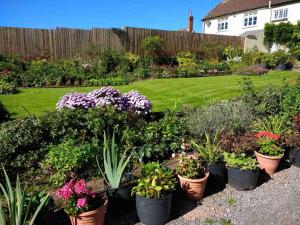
[(223, 25), (250, 19), (280, 14)]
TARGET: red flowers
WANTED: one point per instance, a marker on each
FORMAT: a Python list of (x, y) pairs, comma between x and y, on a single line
[(267, 134)]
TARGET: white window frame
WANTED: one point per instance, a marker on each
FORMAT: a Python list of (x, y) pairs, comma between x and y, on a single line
[(222, 24), (280, 14), (250, 19)]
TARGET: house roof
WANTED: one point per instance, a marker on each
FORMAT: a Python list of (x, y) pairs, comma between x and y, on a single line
[(226, 7)]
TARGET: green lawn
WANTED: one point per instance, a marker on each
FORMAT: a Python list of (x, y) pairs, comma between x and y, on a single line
[(163, 93)]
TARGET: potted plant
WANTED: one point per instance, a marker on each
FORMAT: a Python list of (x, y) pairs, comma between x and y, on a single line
[(83, 206), (281, 60), (212, 154), (269, 154), (154, 194), (292, 142), (243, 171), (262, 60), (192, 176), (118, 185)]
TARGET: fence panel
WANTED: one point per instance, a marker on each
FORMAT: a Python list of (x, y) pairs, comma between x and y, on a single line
[(69, 43)]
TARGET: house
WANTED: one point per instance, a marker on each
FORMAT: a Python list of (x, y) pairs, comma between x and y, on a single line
[(248, 18)]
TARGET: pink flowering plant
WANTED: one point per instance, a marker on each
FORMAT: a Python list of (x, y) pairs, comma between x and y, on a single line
[(78, 198)]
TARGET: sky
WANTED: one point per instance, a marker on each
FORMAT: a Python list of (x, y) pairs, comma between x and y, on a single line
[(158, 14)]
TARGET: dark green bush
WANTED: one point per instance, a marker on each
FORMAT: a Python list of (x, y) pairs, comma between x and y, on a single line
[(4, 114), (22, 144), (157, 140)]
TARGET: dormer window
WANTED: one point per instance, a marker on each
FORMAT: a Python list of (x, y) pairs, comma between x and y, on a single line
[(250, 19), (280, 14), (223, 24)]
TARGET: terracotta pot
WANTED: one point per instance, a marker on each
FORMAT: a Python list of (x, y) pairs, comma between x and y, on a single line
[(193, 188), (268, 163), (95, 217)]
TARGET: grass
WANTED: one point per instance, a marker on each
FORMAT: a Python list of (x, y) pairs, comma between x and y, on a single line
[(163, 93)]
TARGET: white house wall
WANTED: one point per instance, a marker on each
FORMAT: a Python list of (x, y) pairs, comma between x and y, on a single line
[(236, 21)]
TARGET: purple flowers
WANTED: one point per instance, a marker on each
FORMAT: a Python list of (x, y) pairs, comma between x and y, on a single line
[(137, 103), (75, 100), (132, 101)]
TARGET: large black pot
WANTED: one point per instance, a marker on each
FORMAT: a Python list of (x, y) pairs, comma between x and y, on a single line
[(120, 200), (281, 66), (217, 176), (154, 211), (242, 179), (294, 157)]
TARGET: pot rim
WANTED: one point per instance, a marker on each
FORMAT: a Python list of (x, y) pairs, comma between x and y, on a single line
[(231, 167), (154, 199), (268, 157), (195, 180)]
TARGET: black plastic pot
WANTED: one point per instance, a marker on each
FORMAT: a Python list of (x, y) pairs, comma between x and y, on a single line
[(154, 211), (263, 65), (217, 176), (242, 180), (294, 157), (281, 66), (120, 200)]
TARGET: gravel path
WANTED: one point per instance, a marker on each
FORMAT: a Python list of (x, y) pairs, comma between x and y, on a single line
[(275, 202)]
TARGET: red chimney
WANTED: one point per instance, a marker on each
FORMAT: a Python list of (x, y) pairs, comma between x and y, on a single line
[(191, 23)]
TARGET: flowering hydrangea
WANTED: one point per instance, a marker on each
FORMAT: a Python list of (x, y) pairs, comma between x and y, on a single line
[(269, 135), (107, 96), (75, 100), (137, 103)]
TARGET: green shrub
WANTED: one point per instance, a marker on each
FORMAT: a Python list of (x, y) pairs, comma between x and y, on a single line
[(37, 73), (281, 33), (22, 145), (152, 46), (211, 51), (68, 158), (230, 52), (83, 125), (11, 69), (272, 100), (210, 119), (7, 88), (157, 140), (188, 64), (281, 57)]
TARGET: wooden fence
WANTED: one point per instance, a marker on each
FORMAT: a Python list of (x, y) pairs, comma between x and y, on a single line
[(68, 43)]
